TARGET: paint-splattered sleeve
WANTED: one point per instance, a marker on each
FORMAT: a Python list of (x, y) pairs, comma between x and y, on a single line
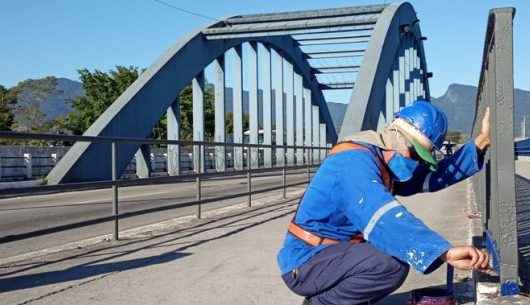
[(383, 220)]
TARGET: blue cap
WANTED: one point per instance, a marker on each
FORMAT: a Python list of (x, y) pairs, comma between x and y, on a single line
[(428, 119)]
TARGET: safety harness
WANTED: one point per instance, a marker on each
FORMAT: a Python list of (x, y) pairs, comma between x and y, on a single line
[(315, 240)]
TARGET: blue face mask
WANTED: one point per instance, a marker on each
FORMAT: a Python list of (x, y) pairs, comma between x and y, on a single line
[(402, 168)]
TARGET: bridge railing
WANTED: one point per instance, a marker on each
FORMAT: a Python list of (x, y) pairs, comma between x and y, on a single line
[(494, 187), (312, 157)]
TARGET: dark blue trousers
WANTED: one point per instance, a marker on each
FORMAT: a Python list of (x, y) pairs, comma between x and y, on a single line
[(347, 274)]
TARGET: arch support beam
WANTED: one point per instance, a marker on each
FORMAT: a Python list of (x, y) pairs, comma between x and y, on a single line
[(151, 95)]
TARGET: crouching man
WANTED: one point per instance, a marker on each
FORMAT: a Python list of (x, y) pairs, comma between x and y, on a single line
[(351, 241)]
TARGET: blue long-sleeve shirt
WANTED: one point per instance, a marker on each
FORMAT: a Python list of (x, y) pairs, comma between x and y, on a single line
[(347, 196)]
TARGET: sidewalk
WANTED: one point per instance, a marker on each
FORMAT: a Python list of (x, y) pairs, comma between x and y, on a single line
[(229, 259)]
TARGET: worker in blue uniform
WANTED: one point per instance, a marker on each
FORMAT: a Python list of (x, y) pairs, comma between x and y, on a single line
[(351, 241)]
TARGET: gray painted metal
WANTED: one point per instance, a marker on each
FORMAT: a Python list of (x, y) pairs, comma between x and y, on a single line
[(322, 142), (495, 189), (386, 47), (192, 54), (278, 32), (173, 133), (289, 111), (277, 69), (294, 25), (198, 120), (308, 123), (253, 102), (238, 107), (267, 105), (316, 132), (299, 119), (219, 110), (309, 14), (143, 162), (331, 38)]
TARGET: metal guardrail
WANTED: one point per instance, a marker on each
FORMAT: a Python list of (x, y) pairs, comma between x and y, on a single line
[(198, 174), (495, 186)]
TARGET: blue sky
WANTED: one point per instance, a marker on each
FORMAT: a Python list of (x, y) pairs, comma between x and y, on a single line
[(57, 37)]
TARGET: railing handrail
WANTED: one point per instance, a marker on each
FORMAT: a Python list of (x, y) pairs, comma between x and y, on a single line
[(95, 139)]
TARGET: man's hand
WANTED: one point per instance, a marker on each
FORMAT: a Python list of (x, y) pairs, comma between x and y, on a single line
[(482, 141), (467, 258)]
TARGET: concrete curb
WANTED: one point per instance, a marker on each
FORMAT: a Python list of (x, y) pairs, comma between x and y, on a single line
[(151, 229), (20, 184)]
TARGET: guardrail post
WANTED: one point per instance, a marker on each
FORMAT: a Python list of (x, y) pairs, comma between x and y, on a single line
[(115, 212), (308, 159), (198, 172), (27, 163), (54, 159), (284, 177), (249, 176)]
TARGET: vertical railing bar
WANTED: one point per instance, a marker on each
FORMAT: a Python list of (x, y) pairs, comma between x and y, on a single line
[(115, 212), (249, 177), (284, 176), (198, 171)]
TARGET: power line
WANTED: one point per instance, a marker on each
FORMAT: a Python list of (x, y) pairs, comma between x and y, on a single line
[(185, 10)]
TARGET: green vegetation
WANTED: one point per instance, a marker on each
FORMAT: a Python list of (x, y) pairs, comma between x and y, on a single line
[(7, 99), (101, 90)]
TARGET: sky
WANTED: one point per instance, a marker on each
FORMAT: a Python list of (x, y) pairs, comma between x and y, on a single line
[(58, 37)]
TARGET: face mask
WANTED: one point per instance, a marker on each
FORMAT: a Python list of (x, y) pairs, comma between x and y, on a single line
[(402, 167)]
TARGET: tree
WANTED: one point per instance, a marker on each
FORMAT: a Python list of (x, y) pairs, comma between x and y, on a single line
[(30, 95), (101, 90), (7, 100)]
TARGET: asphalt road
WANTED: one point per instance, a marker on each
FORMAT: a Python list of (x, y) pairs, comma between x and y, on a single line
[(37, 222)]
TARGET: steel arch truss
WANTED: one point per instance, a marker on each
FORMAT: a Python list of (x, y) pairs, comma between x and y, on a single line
[(370, 49), (393, 73)]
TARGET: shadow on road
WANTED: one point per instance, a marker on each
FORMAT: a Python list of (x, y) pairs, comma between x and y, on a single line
[(236, 223), (83, 271)]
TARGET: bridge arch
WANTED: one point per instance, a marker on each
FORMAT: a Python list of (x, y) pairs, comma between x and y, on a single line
[(286, 35), (393, 73)]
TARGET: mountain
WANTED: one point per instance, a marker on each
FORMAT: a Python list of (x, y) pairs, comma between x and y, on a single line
[(458, 103), (51, 95), (459, 100)]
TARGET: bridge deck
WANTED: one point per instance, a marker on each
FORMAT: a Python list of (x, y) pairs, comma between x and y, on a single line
[(226, 260)]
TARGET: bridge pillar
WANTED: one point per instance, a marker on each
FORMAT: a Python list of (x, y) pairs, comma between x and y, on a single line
[(389, 100), (219, 106), (237, 100), (173, 133), (299, 111), (143, 161), (401, 69), (323, 142), (308, 123), (406, 50), (253, 103), (267, 106), (277, 70), (198, 120), (289, 111), (316, 133)]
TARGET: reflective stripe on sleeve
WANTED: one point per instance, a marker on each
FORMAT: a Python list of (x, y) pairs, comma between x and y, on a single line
[(377, 216)]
